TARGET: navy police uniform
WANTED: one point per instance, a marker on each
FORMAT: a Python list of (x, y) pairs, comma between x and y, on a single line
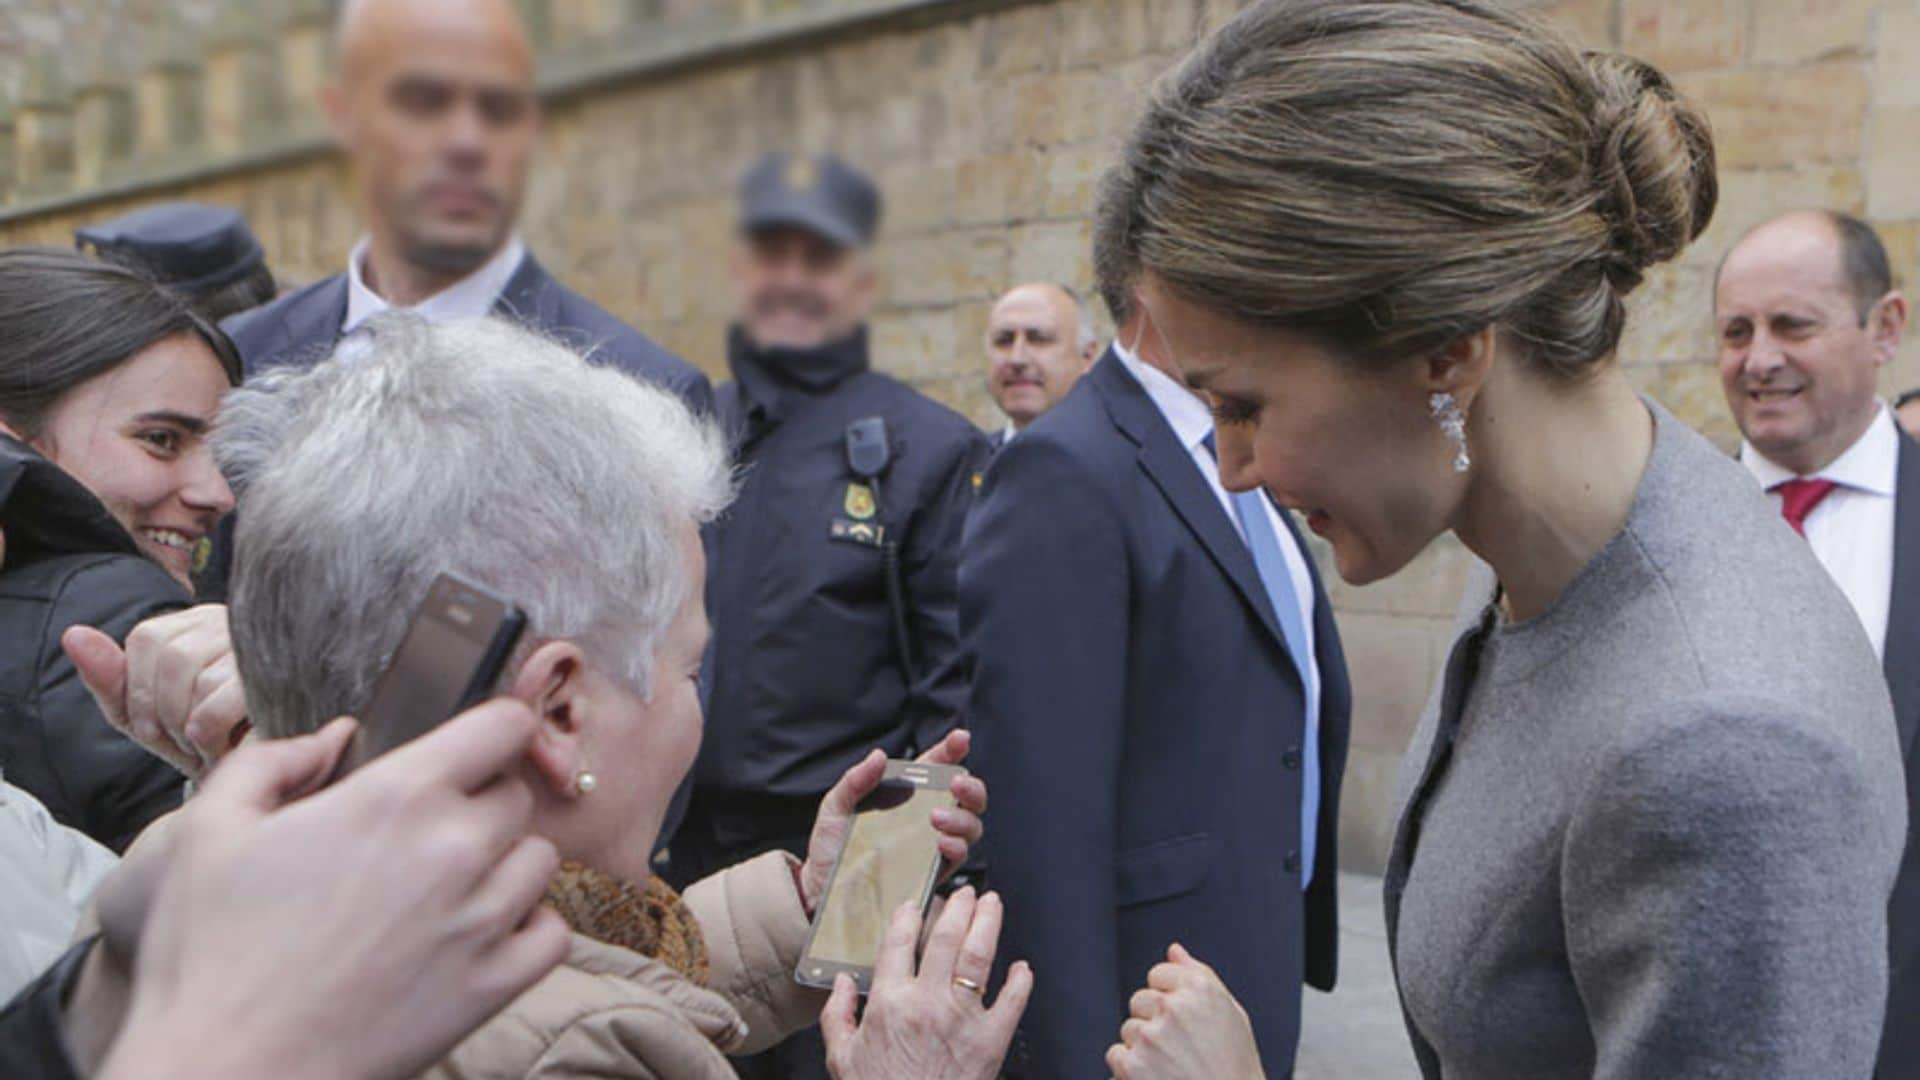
[(832, 578), (807, 666)]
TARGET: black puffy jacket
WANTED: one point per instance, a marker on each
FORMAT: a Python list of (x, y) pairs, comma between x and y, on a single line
[(68, 563)]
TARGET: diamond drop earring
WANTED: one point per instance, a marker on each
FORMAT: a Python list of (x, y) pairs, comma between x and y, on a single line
[(1453, 423)]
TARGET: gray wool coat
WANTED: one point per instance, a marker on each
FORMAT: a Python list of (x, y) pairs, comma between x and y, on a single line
[(1652, 832)]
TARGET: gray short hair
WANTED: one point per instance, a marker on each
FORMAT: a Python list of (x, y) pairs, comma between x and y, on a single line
[(475, 447)]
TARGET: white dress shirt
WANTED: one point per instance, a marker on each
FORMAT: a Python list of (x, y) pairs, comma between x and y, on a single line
[(471, 297), (1851, 530)]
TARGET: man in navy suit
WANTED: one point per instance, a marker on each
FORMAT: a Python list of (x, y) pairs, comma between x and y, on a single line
[(1807, 315), (1160, 705), (434, 106)]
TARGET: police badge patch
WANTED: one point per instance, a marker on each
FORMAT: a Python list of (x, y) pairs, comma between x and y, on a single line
[(859, 503)]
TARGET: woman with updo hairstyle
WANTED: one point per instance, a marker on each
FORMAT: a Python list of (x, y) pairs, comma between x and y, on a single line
[(1649, 822)]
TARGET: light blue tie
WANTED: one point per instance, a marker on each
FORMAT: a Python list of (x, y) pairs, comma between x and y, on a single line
[(1251, 508)]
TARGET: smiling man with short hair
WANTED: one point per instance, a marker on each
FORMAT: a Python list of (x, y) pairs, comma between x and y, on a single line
[(1807, 315), (1040, 340)]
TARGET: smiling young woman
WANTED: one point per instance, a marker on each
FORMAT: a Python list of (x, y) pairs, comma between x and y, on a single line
[(108, 386), (1650, 822)]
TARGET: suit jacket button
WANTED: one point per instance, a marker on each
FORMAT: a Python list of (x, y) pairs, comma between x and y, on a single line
[(1292, 862), (1291, 759)]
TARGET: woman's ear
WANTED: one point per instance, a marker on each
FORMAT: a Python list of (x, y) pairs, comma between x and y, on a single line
[(1461, 366), (553, 683)]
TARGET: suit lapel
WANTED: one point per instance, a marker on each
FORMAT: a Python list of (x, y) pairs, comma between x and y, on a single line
[(529, 298), (311, 327), (1903, 614), (1173, 471)]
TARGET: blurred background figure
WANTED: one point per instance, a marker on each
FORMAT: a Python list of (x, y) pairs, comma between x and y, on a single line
[(206, 253), (107, 487), (832, 579), (1040, 340), (433, 105), (1807, 316)]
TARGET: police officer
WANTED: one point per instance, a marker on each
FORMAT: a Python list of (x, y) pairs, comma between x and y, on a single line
[(206, 253), (833, 576)]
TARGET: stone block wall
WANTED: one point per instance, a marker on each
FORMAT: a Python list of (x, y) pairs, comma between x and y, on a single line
[(987, 123)]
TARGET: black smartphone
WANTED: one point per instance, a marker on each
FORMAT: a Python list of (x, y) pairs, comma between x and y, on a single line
[(892, 856), (450, 660)]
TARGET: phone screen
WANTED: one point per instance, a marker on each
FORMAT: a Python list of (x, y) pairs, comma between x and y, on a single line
[(890, 859)]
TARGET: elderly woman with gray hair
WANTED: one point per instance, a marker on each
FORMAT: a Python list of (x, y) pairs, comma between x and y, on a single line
[(481, 449)]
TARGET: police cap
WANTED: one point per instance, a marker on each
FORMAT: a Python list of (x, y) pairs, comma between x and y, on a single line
[(192, 247), (816, 192)]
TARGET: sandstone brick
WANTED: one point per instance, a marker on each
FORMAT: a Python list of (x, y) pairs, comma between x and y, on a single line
[(1591, 23), (1670, 318), (1902, 240), (1053, 251), (1896, 69), (1100, 32), (1810, 114), (1072, 176), (1685, 36), (919, 198), (1175, 25), (1691, 392), (916, 343), (1025, 40), (1748, 197), (1786, 31), (1893, 163), (992, 190), (1394, 655)]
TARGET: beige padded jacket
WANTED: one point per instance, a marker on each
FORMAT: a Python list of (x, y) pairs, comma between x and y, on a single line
[(611, 1012)]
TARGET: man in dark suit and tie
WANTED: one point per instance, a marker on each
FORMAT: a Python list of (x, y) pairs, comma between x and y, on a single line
[(434, 106), (1807, 316), (1160, 706), (1040, 340)]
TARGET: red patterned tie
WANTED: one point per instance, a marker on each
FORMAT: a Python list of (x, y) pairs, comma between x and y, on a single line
[(1799, 497)]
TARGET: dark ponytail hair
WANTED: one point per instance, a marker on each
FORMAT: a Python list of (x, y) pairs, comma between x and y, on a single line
[(66, 317)]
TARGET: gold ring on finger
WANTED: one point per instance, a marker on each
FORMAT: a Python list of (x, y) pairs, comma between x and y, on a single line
[(970, 986)]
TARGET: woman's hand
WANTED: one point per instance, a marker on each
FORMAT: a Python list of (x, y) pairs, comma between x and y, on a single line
[(1185, 1024), (174, 689), (934, 1024), (959, 825)]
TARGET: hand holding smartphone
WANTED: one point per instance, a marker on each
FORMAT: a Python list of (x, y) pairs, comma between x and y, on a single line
[(449, 661), (892, 856)]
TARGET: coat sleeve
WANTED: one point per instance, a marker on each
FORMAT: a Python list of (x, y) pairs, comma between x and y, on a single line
[(755, 930), (110, 785), (1725, 884), (1044, 604), (931, 565)]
